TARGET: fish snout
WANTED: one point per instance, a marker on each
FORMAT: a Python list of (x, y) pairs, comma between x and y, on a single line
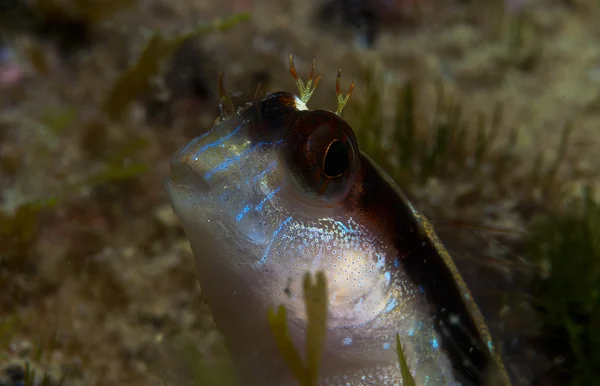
[(187, 175)]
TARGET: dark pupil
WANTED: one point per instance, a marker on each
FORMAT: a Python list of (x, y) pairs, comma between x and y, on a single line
[(336, 160)]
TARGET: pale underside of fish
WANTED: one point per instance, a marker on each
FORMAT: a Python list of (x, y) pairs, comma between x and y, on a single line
[(276, 190)]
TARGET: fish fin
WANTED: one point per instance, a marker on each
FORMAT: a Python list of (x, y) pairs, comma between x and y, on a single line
[(226, 104)]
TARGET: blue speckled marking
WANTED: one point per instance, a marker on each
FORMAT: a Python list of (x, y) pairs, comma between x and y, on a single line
[(380, 261), (388, 277), (230, 161), (218, 142), (347, 341), (411, 332), (345, 229), (391, 304), (263, 173), (490, 345), (397, 262), (421, 289), (242, 213), (193, 142), (386, 346), (275, 233), (269, 197), (358, 305), (434, 343)]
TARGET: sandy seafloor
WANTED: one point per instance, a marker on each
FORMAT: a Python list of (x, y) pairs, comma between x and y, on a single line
[(107, 280)]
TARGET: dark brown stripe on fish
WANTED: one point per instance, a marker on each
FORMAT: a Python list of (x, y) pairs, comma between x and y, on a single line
[(423, 261)]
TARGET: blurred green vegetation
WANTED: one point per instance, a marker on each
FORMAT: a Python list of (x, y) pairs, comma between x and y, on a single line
[(9, 327), (316, 299), (118, 160), (18, 230), (134, 82), (206, 371), (418, 150), (563, 242), (566, 248), (33, 379), (447, 147)]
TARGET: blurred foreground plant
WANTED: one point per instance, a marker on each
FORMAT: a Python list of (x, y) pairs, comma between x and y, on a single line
[(315, 299), (407, 378)]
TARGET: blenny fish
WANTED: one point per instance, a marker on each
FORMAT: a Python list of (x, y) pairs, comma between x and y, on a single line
[(275, 190)]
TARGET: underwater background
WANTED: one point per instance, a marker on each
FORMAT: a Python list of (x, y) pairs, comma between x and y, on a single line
[(486, 113)]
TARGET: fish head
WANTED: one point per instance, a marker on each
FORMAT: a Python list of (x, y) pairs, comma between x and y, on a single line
[(273, 160), (267, 194)]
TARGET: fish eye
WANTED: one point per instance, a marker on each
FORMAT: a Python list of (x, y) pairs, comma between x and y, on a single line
[(336, 160), (322, 155)]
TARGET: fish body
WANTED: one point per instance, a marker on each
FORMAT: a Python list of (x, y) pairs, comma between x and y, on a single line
[(277, 190)]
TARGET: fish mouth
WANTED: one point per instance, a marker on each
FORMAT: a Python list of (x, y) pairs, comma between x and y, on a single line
[(184, 175), (188, 191), (194, 202)]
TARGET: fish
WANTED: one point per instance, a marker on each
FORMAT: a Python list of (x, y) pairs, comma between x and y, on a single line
[(275, 190)]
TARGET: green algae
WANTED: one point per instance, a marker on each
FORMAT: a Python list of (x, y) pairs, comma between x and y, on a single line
[(566, 249), (205, 372), (115, 161), (407, 378), (315, 298), (423, 149), (17, 232), (134, 82), (449, 146), (32, 378), (9, 328)]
